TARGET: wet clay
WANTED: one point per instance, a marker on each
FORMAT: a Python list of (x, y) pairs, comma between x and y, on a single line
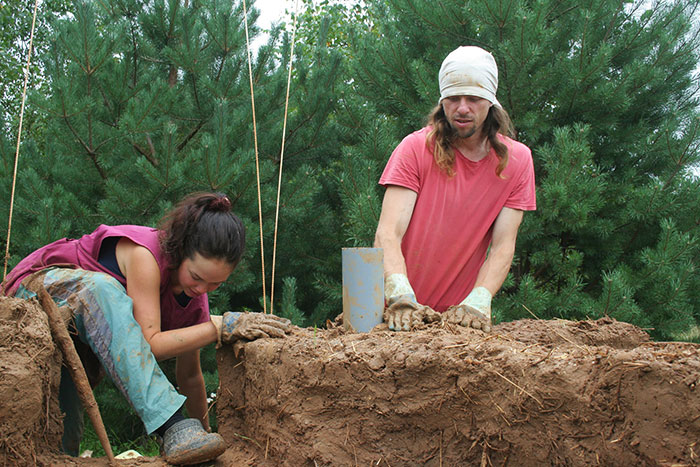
[(529, 393)]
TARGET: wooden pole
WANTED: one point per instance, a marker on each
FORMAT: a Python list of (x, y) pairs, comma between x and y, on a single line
[(72, 361)]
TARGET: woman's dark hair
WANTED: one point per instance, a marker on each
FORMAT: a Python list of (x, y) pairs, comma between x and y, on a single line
[(202, 223)]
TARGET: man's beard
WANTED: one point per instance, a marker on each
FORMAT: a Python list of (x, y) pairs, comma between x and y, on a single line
[(463, 133)]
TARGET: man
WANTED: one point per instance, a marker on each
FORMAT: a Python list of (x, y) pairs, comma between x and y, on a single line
[(455, 191)]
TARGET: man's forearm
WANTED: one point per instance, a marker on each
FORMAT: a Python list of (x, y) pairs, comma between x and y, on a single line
[(397, 209), (494, 270), (394, 262)]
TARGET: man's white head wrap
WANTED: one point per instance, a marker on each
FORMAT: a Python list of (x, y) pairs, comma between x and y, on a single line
[(469, 71)]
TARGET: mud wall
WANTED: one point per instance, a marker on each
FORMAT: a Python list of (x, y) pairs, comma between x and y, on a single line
[(529, 393), (29, 377)]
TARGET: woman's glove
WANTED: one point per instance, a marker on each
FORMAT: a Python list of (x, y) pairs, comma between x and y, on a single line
[(250, 326)]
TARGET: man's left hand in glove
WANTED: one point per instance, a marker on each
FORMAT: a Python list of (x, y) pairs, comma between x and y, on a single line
[(473, 312)]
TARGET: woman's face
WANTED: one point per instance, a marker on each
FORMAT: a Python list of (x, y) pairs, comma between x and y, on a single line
[(199, 275)]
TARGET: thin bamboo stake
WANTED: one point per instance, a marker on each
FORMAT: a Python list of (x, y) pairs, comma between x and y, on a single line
[(284, 133), (257, 159), (19, 137)]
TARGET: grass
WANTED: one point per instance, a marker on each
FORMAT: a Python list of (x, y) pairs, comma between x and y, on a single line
[(145, 445)]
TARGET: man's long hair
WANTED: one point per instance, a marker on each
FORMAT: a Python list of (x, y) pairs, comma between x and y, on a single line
[(442, 136)]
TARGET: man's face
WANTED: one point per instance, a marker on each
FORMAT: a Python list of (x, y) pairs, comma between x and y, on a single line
[(466, 114)]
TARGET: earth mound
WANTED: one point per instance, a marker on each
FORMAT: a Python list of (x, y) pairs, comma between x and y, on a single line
[(531, 392), (30, 367)]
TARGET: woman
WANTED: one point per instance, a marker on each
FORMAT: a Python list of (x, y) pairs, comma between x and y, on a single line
[(139, 295)]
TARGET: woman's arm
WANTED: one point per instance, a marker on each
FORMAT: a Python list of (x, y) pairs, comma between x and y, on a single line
[(190, 381), (143, 286)]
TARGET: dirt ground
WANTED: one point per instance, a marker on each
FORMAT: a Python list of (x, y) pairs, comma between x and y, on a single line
[(531, 392)]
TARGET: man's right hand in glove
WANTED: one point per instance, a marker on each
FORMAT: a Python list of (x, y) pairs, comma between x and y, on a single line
[(405, 314), (403, 311), (234, 326)]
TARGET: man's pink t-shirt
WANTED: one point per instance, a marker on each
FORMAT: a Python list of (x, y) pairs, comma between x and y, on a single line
[(450, 230)]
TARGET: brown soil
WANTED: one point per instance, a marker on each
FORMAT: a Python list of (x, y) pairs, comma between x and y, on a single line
[(29, 377), (529, 393)]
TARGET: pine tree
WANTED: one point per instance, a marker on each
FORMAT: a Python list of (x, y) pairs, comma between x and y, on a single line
[(148, 100), (15, 33), (604, 95)]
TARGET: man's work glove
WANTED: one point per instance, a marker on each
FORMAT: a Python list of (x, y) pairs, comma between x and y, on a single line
[(250, 326), (473, 312), (397, 287), (404, 315)]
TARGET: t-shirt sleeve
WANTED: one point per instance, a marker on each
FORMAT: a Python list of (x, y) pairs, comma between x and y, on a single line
[(402, 168), (523, 196)]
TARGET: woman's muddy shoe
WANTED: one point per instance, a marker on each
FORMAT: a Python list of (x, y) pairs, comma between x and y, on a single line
[(187, 443)]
